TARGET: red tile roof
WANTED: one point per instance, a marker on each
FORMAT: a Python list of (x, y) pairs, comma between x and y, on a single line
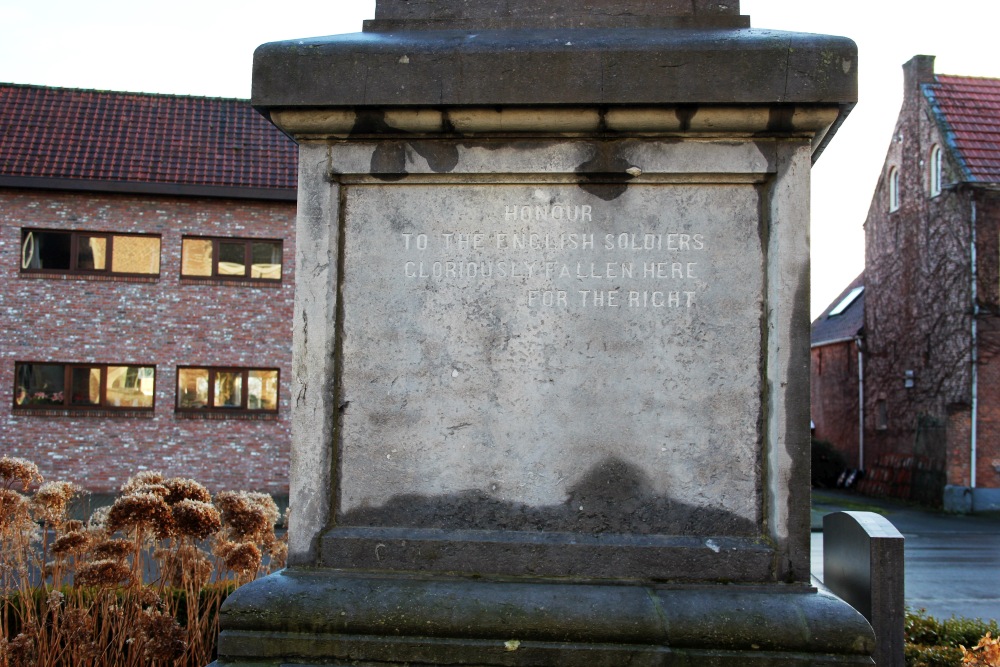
[(61, 133), (969, 110)]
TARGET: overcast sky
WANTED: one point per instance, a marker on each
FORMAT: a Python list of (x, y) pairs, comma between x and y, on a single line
[(206, 48)]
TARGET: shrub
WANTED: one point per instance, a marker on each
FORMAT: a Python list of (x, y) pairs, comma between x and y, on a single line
[(140, 583), (934, 643)]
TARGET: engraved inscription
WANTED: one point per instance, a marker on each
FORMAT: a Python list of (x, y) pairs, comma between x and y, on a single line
[(660, 270), (502, 338)]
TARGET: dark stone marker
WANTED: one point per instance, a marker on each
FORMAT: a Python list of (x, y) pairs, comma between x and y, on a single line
[(863, 564), (551, 337)]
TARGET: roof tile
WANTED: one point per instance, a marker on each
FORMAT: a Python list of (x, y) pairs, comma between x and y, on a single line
[(66, 133), (969, 110)]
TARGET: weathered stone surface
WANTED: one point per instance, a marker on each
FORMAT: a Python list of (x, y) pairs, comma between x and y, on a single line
[(312, 618), (611, 66), (477, 403), (554, 353), (434, 14)]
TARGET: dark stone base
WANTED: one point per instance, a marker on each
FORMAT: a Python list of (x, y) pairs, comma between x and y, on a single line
[(307, 617)]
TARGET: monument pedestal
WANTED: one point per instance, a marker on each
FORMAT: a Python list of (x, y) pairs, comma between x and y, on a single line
[(551, 341), (314, 616)]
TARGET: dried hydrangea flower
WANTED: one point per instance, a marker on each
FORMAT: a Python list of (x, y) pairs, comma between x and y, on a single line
[(74, 542), (179, 488), (155, 489), (77, 628), (103, 573), (163, 637), (55, 600), (99, 519), (113, 549), (140, 511), (52, 498), (240, 557), (140, 479), (266, 503), (147, 597), (22, 650), (14, 511), (195, 518), (245, 517), (13, 469), (279, 554)]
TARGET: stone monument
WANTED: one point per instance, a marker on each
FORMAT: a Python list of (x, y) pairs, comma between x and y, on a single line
[(550, 403)]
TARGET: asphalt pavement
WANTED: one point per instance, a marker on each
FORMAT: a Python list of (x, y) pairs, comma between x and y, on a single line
[(952, 561)]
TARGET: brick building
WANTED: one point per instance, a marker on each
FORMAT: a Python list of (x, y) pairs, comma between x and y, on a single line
[(146, 285), (932, 297), (835, 378)]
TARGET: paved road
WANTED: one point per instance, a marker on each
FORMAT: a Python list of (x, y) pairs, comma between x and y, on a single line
[(952, 562)]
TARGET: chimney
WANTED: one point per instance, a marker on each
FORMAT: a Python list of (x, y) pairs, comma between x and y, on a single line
[(917, 71)]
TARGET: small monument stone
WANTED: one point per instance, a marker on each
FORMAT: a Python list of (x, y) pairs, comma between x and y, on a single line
[(550, 403)]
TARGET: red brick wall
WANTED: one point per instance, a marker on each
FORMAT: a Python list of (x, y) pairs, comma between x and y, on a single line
[(959, 432), (168, 323), (918, 299), (988, 340), (834, 391)]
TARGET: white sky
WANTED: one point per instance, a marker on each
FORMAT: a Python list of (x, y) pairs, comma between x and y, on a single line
[(206, 48)]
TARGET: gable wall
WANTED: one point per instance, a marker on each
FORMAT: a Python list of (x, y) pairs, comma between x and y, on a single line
[(917, 309)]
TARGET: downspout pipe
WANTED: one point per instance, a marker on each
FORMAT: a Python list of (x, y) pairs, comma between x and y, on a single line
[(974, 352), (861, 404)]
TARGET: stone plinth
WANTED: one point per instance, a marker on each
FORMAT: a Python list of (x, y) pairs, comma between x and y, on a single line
[(551, 337)]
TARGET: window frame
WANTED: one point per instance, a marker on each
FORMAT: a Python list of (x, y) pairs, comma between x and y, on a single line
[(74, 251), (894, 195), (247, 259), (210, 408), (67, 403), (935, 169)]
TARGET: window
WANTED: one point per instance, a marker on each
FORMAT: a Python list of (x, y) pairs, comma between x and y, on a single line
[(85, 386), (222, 258), (934, 175), (45, 251), (881, 415), (227, 389), (893, 189), (846, 302)]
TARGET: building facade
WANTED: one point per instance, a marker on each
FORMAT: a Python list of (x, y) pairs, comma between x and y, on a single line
[(931, 406), (836, 380), (146, 280)]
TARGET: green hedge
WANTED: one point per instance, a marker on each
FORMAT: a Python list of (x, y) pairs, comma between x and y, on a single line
[(934, 643)]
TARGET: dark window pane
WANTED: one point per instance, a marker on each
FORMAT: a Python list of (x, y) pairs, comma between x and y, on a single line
[(266, 260), (46, 250), (91, 253), (232, 259), (192, 387), (86, 386), (39, 384)]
